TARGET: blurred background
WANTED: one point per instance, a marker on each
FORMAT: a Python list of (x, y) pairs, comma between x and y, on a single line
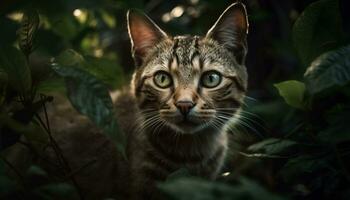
[(97, 28)]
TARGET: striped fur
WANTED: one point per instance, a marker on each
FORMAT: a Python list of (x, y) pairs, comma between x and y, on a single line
[(161, 139)]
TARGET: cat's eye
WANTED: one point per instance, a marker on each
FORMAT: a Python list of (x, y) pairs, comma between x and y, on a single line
[(211, 79), (162, 79)]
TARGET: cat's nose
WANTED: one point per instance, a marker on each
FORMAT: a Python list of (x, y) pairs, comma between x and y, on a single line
[(184, 106)]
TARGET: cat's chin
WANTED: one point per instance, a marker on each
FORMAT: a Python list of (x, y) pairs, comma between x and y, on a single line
[(188, 127)]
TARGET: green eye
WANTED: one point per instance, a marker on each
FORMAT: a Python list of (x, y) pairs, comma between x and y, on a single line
[(162, 79), (211, 79)]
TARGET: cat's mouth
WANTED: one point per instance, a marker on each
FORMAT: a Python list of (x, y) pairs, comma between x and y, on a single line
[(187, 125)]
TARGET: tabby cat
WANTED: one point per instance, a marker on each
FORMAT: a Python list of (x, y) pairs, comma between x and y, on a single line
[(187, 89), (183, 94)]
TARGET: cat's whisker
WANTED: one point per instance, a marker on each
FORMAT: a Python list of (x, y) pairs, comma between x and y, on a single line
[(251, 98), (146, 123), (232, 129), (246, 118), (240, 121)]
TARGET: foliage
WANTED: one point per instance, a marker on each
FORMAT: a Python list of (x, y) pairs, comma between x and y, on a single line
[(80, 48), (292, 92)]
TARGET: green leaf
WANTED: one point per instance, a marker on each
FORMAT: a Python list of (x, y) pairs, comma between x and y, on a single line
[(272, 146), (317, 30), (36, 170), (13, 62), (292, 92), (90, 97), (62, 190), (182, 172), (66, 26), (198, 189), (69, 58), (108, 19), (51, 85), (328, 70), (104, 69), (29, 26)]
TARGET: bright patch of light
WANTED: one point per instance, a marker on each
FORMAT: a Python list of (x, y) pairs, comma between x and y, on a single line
[(98, 53), (80, 15), (225, 174), (166, 17), (177, 11), (15, 16), (77, 12)]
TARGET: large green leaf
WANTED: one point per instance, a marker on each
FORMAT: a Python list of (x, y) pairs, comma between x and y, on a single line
[(292, 92), (317, 30), (90, 97), (198, 189), (272, 146), (14, 63), (104, 69), (328, 70)]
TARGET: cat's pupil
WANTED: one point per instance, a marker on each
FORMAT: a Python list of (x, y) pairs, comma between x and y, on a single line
[(162, 78), (211, 78)]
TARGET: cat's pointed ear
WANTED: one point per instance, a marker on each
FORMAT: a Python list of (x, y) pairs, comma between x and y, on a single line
[(143, 33), (231, 30)]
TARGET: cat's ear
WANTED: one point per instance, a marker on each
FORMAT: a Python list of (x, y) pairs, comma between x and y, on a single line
[(231, 30), (143, 33)]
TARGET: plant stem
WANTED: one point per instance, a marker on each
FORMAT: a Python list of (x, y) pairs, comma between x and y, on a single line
[(58, 150), (13, 168)]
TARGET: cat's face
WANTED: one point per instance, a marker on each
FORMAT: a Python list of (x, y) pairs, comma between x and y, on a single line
[(189, 82)]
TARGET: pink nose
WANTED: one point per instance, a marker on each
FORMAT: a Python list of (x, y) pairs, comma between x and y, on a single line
[(184, 106)]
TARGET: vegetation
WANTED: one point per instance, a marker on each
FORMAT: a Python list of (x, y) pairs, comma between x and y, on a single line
[(298, 104)]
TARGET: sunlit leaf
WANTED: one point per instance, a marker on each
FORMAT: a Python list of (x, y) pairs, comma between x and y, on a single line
[(328, 70), (108, 19), (317, 30), (292, 92)]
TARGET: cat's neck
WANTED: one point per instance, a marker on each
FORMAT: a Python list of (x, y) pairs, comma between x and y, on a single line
[(188, 147)]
